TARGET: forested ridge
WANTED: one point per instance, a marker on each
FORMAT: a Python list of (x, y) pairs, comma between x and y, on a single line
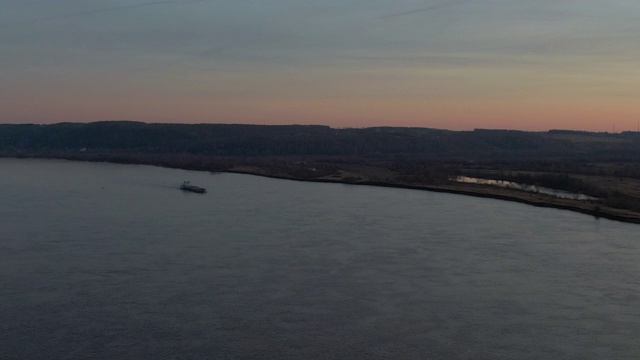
[(314, 140)]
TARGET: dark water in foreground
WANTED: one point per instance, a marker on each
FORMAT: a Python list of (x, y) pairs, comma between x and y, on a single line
[(108, 261)]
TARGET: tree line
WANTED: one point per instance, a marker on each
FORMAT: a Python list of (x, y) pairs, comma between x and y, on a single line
[(311, 140)]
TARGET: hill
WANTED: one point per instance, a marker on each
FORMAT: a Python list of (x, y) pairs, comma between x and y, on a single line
[(314, 140), (603, 166)]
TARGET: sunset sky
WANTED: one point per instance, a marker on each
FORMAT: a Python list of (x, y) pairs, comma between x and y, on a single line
[(454, 64)]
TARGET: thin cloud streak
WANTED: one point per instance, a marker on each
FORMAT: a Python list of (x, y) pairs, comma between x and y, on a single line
[(438, 6)]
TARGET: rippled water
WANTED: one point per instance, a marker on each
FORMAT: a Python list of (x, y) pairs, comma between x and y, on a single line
[(109, 261)]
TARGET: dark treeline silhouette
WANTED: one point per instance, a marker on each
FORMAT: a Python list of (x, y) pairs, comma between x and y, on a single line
[(603, 165), (315, 140)]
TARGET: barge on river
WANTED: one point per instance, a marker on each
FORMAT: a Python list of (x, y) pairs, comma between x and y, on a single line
[(186, 186)]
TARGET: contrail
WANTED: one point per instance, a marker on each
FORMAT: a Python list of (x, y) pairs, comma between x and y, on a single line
[(441, 5)]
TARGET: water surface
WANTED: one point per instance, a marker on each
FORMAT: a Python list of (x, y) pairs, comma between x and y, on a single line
[(110, 261), (563, 194)]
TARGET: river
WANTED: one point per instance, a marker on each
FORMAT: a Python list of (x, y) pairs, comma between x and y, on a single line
[(108, 261)]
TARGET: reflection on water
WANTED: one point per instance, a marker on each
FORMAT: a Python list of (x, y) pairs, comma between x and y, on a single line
[(524, 187)]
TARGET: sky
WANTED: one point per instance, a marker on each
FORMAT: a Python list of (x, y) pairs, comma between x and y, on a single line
[(451, 64)]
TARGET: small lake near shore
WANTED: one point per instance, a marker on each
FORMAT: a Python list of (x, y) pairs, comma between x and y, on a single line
[(108, 261), (562, 194)]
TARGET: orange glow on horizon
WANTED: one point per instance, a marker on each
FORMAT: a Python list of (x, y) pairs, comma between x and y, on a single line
[(525, 114)]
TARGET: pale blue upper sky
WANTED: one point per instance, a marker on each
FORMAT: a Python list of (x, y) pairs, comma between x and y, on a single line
[(453, 64)]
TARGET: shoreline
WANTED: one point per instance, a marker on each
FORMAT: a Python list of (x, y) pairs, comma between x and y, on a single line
[(533, 199), (484, 191)]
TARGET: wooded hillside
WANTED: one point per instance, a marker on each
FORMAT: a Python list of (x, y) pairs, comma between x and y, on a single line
[(315, 140)]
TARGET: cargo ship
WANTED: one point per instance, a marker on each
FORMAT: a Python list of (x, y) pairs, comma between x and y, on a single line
[(186, 186)]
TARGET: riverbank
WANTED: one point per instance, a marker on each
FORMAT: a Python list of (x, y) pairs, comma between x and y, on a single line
[(592, 208), (354, 173)]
